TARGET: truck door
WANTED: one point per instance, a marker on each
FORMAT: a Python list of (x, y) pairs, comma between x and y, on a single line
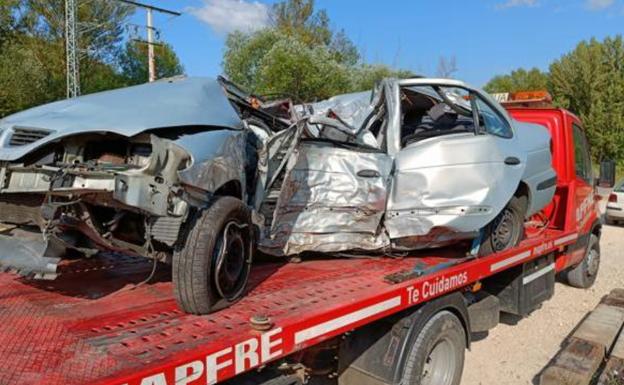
[(583, 182)]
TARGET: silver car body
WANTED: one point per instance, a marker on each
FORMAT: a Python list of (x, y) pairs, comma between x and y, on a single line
[(380, 195)]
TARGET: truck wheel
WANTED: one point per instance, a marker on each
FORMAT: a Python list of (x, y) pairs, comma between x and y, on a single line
[(437, 356), (507, 229), (584, 275), (211, 268)]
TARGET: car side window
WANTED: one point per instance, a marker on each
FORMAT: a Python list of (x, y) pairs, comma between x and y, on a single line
[(493, 122), (582, 159)]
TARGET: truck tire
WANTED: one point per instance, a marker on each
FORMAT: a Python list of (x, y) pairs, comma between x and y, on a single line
[(209, 274), (507, 229), (437, 355), (584, 275)]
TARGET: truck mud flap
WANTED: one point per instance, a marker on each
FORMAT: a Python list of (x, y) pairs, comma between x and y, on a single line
[(29, 254)]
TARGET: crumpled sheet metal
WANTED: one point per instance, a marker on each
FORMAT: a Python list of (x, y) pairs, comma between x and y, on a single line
[(352, 108), (29, 254), (324, 206)]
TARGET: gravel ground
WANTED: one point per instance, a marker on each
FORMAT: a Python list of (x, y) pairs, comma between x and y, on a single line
[(515, 354)]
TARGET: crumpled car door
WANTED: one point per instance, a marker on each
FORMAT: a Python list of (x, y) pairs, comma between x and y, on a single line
[(333, 198)]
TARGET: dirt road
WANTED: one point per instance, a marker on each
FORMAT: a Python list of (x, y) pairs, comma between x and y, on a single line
[(515, 354)]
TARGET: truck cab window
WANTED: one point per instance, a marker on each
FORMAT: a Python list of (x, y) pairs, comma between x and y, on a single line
[(582, 159)]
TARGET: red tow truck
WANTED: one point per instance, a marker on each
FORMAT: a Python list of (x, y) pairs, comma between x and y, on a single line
[(391, 320)]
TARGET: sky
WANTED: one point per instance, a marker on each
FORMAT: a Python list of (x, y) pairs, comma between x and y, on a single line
[(486, 37)]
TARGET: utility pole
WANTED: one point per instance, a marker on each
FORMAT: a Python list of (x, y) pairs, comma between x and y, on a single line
[(71, 50), (151, 58)]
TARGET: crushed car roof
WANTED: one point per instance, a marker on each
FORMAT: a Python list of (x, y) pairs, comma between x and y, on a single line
[(175, 102)]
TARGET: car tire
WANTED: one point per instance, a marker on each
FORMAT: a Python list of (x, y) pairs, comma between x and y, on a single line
[(437, 355), (506, 230), (208, 275), (584, 274)]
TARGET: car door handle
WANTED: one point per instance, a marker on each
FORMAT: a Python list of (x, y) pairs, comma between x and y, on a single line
[(368, 174), (512, 161)]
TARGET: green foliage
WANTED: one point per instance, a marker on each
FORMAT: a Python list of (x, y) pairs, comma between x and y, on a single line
[(366, 76), (32, 34), (134, 66), (298, 18), (24, 85), (299, 56), (244, 54), (590, 82), (518, 80), (300, 72)]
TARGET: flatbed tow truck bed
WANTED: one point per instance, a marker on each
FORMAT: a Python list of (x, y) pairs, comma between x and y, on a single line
[(104, 329)]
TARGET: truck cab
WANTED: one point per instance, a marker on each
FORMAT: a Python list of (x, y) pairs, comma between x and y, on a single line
[(575, 206)]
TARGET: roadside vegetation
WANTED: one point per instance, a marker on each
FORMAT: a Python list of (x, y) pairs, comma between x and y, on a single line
[(32, 51), (300, 56), (588, 81)]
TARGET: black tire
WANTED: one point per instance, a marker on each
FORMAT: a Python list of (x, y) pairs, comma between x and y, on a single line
[(196, 262), (437, 355), (507, 229), (584, 275)]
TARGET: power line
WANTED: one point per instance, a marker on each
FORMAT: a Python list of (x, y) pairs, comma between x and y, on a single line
[(153, 8)]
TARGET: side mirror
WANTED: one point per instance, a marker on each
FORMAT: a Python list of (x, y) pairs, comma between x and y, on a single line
[(607, 174)]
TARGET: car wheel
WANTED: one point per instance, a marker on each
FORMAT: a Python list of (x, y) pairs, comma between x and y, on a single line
[(437, 355), (507, 229), (610, 221), (211, 268), (584, 275)]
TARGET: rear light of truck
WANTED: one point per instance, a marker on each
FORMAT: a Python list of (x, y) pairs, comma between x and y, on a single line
[(612, 198)]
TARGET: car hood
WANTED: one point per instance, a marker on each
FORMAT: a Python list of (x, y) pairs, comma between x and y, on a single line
[(127, 111)]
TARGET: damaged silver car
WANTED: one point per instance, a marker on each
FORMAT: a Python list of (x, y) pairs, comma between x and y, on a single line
[(412, 164), (167, 170), (196, 173)]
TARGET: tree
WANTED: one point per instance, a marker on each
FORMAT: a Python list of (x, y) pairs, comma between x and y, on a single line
[(244, 54), (300, 56), (32, 34), (298, 18), (518, 80), (293, 69), (366, 76), (134, 66), (447, 67), (590, 82)]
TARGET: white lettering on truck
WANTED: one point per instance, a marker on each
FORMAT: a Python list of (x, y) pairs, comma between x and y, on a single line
[(434, 288), (242, 357)]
